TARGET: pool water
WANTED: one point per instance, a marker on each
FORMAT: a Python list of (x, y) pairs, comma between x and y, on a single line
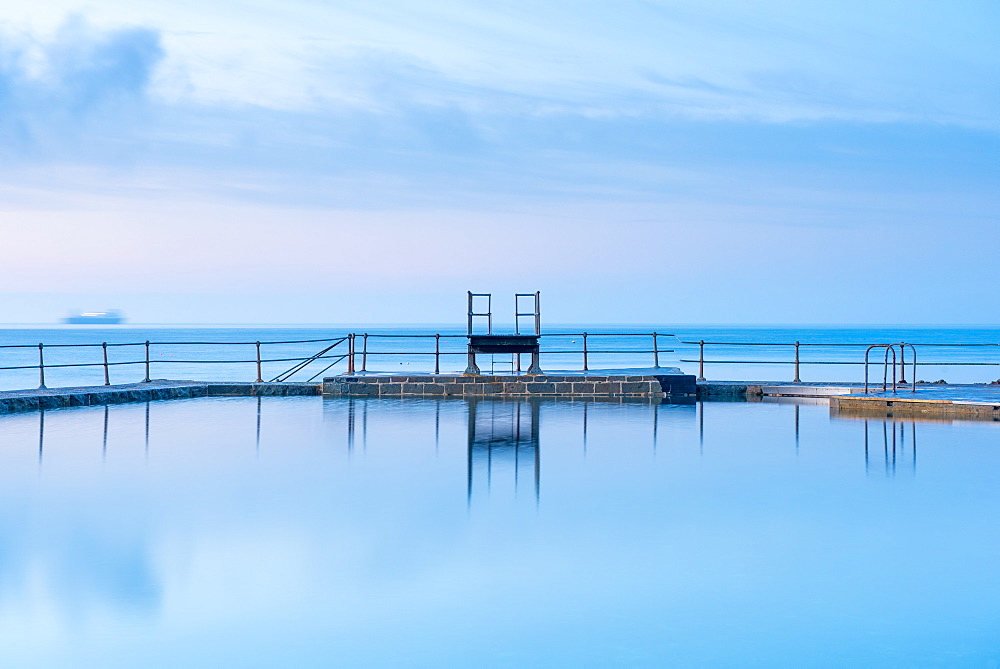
[(406, 532)]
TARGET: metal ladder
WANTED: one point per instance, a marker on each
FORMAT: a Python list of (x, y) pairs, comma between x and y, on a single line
[(890, 349), (535, 314)]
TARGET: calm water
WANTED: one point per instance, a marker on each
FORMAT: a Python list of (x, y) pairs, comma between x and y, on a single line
[(175, 360), (312, 532)]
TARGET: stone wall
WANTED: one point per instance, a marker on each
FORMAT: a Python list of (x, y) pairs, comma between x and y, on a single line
[(723, 391), (667, 385), (55, 398)]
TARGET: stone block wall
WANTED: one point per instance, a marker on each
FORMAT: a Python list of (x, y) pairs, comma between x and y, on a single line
[(56, 398), (531, 386)]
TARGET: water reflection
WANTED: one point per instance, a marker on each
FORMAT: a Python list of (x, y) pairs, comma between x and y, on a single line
[(104, 444), (41, 436), (104, 432), (503, 436), (354, 407), (893, 446), (236, 517)]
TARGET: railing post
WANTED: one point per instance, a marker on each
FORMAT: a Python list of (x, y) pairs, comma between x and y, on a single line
[(585, 368), (867, 351), (350, 353), (538, 312), (41, 366), (656, 353), (260, 378), (797, 379), (107, 376), (364, 352), (885, 367), (146, 380), (437, 353), (902, 364), (701, 360), (891, 348)]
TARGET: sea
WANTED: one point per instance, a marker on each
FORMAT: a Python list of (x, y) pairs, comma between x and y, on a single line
[(74, 355)]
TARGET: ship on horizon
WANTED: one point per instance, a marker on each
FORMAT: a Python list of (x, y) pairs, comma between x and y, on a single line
[(109, 317)]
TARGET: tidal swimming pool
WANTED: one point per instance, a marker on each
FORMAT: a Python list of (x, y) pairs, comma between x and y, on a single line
[(386, 532)]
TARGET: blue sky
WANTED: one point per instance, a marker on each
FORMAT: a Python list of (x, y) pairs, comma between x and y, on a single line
[(739, 162)]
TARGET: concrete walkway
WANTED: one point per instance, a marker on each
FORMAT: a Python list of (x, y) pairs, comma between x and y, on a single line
[(981, 402), (930, 400), (54, 398)]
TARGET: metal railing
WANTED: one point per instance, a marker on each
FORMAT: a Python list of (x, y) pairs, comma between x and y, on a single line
[(797, 362), (147, 361), (356, 356), (356, 350), (360, 349), (890, 349)]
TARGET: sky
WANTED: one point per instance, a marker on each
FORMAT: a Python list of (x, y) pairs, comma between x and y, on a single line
[(641, 161)]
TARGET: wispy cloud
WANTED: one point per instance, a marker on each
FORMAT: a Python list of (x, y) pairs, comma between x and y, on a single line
[(80, 94)]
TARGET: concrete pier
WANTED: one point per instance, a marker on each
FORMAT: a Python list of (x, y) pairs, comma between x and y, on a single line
[(665, 382), (976, 402), (928, 400), (55, 398)]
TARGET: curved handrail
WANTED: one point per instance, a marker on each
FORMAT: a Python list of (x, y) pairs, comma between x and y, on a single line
[(902, 365), (885, 367)]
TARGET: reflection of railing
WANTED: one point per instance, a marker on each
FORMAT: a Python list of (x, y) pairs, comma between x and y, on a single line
[(362, 350), (147, 362), (797, 362), (889, 439)]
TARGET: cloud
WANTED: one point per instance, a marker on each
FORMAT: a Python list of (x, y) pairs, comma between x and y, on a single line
[(399, 124), (82, 87)]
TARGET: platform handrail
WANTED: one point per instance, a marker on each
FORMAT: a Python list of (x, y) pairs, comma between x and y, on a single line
[(368, 350), (885, 368)]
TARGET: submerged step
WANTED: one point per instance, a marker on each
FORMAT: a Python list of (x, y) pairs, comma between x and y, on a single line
[(799, 390)]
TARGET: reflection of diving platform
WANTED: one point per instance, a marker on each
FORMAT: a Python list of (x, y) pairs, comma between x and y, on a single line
[(503, 438)]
